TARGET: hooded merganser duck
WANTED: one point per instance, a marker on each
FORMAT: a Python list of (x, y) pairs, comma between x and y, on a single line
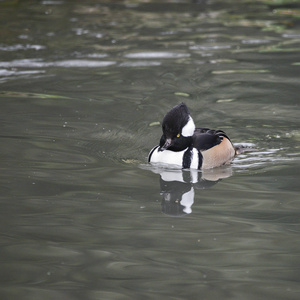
[(184, 145)]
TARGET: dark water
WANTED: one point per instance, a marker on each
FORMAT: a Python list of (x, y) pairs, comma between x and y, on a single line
[(83, 85)]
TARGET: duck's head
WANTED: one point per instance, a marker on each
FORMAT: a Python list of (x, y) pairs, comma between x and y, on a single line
[(178, 128)]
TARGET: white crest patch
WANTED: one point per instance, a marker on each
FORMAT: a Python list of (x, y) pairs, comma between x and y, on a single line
[(189, 128)]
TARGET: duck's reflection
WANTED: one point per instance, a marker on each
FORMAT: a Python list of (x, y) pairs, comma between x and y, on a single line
[(178, 187)]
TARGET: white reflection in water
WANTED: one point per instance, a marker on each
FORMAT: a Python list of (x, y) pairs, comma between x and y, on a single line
[(177, 186)]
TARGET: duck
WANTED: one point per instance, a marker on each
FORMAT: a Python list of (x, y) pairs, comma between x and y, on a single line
[(185, 146)]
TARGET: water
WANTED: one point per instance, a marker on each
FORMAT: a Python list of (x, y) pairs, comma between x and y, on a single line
[(83, 87)]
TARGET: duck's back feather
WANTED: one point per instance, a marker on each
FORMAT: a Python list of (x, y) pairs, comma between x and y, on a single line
[(215, 147), (204, 138)]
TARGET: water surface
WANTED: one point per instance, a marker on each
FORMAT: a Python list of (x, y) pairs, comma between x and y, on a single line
[(83, 90)]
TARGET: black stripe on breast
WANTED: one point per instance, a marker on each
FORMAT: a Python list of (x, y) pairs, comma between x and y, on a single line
[(187, 158), (200, 160), (150, 154)]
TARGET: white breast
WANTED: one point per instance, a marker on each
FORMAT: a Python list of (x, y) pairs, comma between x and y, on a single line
[(167, 157), (173, 157)]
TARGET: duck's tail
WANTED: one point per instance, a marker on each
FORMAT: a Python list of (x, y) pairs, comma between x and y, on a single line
[(239, 149)]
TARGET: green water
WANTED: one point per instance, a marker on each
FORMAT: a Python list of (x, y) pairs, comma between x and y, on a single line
[(83, 89)]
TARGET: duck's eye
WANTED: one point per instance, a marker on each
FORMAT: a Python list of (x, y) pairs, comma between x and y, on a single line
[(178, 135)]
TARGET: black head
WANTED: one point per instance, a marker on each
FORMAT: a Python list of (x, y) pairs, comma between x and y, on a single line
[(178, 128)]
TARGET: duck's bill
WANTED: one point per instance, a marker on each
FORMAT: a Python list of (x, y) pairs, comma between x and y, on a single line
[(167, 145)]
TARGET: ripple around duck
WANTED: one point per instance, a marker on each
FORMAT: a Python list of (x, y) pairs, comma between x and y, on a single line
[(261, 157)]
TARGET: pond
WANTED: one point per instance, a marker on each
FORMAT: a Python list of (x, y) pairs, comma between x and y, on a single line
[(84, 87)]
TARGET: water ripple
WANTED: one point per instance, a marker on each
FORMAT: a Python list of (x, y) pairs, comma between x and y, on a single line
[(255, 41), (38, 63), (154, 54), (21, 47), (210, 47), (140, 63)]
